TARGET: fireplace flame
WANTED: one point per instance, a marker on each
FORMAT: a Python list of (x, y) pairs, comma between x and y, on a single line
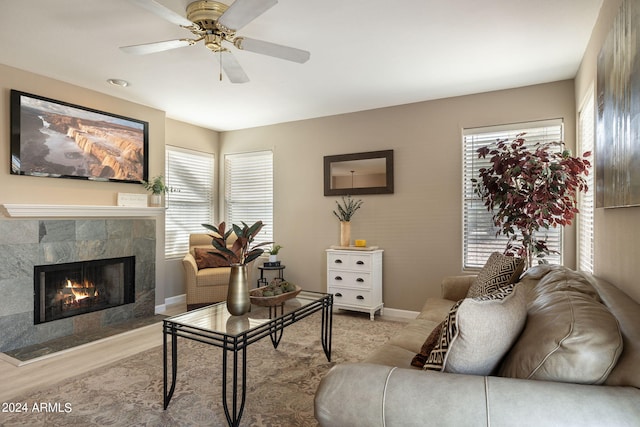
[(81, 291)]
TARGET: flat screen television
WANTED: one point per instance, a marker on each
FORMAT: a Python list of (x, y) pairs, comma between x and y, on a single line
[(56, 139)]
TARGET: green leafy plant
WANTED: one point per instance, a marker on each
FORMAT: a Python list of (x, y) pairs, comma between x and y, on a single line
[(243, 251), (347, 209), (529, 189), (157, 185), (275, 249)]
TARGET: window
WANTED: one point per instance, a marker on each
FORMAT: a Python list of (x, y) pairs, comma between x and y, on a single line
[(586, 123), (479, 233), (191, 173), (249, 190)]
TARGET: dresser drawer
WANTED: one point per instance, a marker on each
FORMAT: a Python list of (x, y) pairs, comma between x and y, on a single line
[(351, 297), (349, 278), (360, 262)]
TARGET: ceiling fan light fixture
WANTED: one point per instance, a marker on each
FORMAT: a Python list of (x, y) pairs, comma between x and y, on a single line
[(118, 82), (214, 23), (272, 49), (240, 13), (205, 13)]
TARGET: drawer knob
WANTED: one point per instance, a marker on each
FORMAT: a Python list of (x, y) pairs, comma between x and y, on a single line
[(360, 297), (338, 261), (338, 278), (360, 279), (338, 294), (360, 262)]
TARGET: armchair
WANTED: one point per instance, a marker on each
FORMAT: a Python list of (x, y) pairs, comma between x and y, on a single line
[(206, 285)]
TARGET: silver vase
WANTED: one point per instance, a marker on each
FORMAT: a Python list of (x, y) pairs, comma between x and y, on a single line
[(238, 302)]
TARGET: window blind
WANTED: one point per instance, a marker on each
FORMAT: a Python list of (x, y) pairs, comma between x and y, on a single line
[(249, 190), (192, 174), (479, 233), (586, 201)]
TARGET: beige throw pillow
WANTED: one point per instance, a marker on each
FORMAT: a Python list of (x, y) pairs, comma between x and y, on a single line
[(498, 271), (478, 332)]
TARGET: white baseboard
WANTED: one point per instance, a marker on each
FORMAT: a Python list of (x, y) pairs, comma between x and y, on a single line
[(178, 299), (403, 314)]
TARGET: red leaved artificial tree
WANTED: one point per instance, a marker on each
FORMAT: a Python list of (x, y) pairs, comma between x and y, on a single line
[(528, 189)]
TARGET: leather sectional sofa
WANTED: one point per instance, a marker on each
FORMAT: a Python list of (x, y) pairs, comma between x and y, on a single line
[(574, 360)]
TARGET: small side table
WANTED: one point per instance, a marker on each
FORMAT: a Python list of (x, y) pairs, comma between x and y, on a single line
[(262, 281)]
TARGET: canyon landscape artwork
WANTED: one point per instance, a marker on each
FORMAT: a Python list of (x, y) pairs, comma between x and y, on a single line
[(62, 140)]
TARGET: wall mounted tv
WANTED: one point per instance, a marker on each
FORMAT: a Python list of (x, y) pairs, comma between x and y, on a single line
[(57, 139)]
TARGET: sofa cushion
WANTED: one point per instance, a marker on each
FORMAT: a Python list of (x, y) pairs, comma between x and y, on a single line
[(570, 336), (205, 259), (499, 270), (435, 309), (478, 332)]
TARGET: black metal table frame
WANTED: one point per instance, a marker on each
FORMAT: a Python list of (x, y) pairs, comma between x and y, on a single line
[(262, 281), (238, 344)]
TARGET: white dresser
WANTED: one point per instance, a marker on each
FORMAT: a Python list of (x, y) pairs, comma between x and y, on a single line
[(354, 277)]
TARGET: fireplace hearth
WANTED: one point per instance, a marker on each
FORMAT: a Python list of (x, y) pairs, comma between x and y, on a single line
[(71, 289)]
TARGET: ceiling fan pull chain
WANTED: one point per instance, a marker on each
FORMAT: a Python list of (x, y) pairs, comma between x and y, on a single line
[(220, 65)]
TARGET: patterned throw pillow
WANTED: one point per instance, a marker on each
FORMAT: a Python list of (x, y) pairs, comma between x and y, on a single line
[(478, 332), (430, 343), (205, 259), (499, 270)]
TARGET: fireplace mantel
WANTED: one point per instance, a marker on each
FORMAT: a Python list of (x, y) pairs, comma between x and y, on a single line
[(71, 211)]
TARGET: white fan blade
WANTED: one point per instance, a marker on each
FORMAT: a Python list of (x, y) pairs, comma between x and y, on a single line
[(143, 49), (163, 12), (272, 49), (232, 68), (241, 12)]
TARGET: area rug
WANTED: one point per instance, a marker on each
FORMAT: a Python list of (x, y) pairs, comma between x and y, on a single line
[(280, 382)]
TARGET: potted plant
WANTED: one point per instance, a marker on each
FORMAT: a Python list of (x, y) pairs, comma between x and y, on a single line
[(530, 189), (273, 253), (157, 188), (344, 214), (242, 252)]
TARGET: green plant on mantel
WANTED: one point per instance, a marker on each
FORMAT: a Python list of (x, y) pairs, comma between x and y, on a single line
[(157, 186), (529, 189), (347, 209)]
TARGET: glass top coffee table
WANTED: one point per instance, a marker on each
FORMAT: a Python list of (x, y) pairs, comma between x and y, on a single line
[(214, 325)]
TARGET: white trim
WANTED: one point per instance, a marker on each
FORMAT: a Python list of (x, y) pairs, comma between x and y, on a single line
[(178, 299), (513, 126), (403, 314), (17, 362), (42, 211)]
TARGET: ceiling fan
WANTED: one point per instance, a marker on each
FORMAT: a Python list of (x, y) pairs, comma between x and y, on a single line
[(215, 23)]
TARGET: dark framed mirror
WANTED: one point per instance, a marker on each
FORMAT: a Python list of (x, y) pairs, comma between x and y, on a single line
[(359, 173)]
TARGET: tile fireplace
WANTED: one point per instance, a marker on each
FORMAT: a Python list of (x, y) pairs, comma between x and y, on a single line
[(71, 289), (50, 244)]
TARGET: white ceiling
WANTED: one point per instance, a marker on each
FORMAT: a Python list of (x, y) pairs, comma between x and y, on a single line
[(365, 54)]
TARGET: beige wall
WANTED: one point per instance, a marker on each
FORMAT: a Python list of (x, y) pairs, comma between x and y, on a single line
[(617, 231), (180, 134), (36, 190), (419, 226)]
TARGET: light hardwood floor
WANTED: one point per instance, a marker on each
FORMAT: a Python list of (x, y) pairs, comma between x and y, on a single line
[(17, 380)]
